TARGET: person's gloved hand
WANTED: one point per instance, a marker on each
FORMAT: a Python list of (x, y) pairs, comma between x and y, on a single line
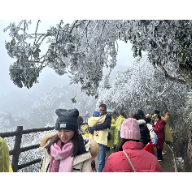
[(91, 130)]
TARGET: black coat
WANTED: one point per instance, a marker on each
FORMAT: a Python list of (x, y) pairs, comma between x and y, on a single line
[(144, 131)]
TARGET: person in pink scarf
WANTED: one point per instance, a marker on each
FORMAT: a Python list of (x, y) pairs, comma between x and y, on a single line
[(67, 150)]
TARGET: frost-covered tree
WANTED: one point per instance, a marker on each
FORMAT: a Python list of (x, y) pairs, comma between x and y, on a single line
[(142, 86), (60, 97), (84, 47)]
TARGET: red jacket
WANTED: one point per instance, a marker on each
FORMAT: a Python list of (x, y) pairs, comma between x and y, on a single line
[(142, 160), (159, 129), (149, 147)]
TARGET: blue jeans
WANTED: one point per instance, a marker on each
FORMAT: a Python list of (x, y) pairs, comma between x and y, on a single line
[(101, 156)]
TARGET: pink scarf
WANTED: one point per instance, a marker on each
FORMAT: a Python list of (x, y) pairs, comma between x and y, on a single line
[(61, 160)]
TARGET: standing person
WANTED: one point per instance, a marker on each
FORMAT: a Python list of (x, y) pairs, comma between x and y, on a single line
[(131, 148), (99, 133), (159, 129), (5, 165), (168, 135), (119, 122), (144, 131), (66, 150)]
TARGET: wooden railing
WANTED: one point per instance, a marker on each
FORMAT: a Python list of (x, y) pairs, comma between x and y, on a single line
[(17, 146)]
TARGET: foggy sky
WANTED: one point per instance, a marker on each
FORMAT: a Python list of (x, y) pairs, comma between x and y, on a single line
[(11, 94)]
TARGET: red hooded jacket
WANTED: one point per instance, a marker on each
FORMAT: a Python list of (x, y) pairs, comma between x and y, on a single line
[(159, 129), (142, 160), (149, 147)]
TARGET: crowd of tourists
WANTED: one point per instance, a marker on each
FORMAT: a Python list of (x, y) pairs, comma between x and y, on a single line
[(75, 147)]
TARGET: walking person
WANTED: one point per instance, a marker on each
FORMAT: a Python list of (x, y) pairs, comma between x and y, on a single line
[(66, 150), (144, 131), (159, 129), (119, 122), (131, 156), (5, 165), (99, 132)]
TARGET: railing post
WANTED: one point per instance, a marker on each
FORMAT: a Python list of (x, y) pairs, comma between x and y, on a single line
[(16, 149)]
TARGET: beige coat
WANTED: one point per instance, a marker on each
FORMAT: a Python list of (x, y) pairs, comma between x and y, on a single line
[(81, 163)]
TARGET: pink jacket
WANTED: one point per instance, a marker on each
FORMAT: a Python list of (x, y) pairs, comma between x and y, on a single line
[(142, 160)]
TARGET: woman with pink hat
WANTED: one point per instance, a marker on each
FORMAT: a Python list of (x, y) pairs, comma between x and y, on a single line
[(131, 156)]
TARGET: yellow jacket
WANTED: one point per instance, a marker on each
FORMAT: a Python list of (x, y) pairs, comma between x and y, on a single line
[(5, 165), (113, 123), (165, 118), (85, 130), (98, 136), (168, 135), (112, 132), (119, 122)]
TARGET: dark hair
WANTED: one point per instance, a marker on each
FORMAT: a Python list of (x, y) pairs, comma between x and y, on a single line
[(79, 121), (157, 112), (122, 141), (122, 113), (77, 140), (103, 105), (140, 112), (148, 120), (159, 117), (136, 116)]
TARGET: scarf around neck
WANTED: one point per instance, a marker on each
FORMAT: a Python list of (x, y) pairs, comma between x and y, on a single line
[(61, 160)]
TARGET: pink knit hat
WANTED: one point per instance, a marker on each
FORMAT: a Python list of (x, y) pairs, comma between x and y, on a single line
[(130, 129)]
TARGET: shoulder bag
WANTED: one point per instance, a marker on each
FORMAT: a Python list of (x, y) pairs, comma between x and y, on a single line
[(129, 161)]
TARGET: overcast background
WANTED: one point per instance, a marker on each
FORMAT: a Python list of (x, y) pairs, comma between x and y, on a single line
[(12, 97)]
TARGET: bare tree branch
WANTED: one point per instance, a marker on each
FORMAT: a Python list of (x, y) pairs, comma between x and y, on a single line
[(36, 31), (167, 76)]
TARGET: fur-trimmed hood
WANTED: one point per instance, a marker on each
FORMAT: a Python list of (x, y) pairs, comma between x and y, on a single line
[(90, 145), (141, 121)]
